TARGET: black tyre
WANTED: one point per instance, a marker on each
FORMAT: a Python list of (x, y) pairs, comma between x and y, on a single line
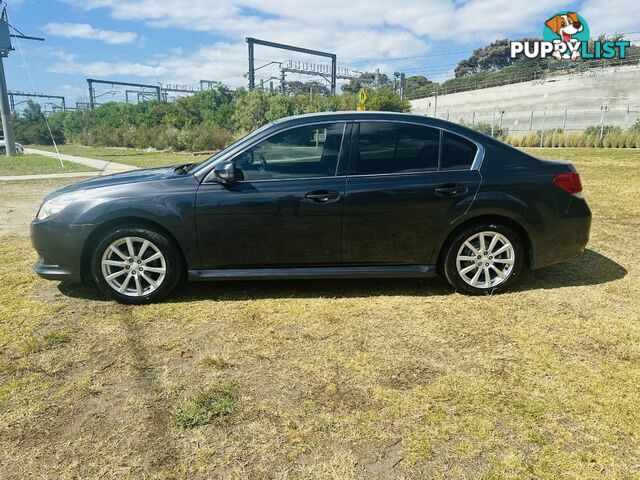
[(483, 258), (136, 265)]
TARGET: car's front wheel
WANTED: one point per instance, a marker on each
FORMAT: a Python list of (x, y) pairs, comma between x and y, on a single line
[(483, 259), (136, 265)]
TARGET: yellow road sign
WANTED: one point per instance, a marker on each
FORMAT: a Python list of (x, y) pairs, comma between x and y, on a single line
[(362, 100)]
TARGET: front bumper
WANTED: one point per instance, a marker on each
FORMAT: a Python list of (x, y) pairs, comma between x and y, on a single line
[(54, 272), (59, 246)]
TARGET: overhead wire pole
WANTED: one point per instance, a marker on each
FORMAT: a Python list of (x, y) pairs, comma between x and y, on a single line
[(5, 107), (254, 41)]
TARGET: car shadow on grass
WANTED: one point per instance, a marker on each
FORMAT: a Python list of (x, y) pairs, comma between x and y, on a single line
[(591, 268)]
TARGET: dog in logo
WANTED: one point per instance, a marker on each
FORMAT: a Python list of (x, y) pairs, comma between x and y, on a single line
[(565, 26)]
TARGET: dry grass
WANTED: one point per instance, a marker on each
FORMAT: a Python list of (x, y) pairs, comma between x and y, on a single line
[(337, 379)]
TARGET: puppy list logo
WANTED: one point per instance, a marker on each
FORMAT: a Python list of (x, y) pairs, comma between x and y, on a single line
[(566, 36)]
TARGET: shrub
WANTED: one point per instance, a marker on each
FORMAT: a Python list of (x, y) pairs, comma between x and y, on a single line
[(573, 139), (203, 137), (485, 127), (607, 129)]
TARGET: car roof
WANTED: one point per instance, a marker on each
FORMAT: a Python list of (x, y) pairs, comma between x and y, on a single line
[(354, 115)]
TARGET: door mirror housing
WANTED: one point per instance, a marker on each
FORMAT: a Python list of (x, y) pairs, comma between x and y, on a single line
[(225, 173)]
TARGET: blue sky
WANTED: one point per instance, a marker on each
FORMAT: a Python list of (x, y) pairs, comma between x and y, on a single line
[(182, 41)]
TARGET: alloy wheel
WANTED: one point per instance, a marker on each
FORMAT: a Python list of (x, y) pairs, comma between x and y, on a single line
[(133, 266), (485, 259)]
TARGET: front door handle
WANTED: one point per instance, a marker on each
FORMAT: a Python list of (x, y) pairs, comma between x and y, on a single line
[(450, 189), (323, 196)]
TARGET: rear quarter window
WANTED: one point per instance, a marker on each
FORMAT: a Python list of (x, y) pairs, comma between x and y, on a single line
[(457, 153)]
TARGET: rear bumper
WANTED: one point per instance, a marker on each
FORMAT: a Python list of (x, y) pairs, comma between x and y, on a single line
[(59, 247), (563, 237)]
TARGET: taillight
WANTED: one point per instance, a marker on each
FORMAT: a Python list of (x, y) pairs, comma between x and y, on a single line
[(569, 182)]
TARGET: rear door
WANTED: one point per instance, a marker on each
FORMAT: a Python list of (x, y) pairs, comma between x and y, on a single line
[(406, 183)]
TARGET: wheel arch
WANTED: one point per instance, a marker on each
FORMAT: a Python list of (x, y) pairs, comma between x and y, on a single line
[(487, 218), (97, 233)]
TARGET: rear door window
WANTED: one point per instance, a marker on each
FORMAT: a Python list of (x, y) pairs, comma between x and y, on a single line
[(388, 147)]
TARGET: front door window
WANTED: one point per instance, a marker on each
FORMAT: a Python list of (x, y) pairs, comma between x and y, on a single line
[(303, 152)]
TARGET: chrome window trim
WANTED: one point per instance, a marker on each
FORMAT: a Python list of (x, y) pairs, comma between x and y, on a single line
[(236, 153), (475, 165)]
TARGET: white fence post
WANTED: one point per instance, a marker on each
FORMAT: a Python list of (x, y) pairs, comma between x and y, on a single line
[(603, 110), (493, 121), (626, 117)]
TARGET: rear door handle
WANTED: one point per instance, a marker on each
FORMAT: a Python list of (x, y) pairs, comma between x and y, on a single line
[(323, 196), (450, 189)]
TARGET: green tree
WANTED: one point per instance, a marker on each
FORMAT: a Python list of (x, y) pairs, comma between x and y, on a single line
[(495, 57), (32, 113), (305, 88), (418, 86), (250, 110), (31, 126), (366, 79), (385, 99)]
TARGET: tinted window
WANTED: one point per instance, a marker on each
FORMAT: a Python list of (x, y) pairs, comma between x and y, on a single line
[(396, 147), (309, 151), (457, 152)]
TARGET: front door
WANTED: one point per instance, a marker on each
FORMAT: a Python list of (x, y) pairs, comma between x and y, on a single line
[(286, 209), (406, 184)]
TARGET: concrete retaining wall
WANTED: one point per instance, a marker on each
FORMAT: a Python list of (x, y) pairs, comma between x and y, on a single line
[(571, 102)]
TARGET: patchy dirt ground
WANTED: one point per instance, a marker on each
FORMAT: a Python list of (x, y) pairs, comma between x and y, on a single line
[(338, 379), (19, 202)]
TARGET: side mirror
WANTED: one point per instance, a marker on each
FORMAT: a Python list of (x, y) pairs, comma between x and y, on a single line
[(225, 173)]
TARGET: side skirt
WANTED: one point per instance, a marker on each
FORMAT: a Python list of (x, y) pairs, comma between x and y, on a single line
[(392, 271)]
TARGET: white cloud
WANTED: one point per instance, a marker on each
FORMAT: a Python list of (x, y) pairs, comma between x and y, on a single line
[(86, 31), (611, 16), (221, 61), (371, 33), (458, 22)]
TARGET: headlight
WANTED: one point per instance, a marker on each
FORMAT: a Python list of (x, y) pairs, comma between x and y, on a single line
[(57, 204)]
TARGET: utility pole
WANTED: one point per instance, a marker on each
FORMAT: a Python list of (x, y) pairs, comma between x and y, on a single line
[(5, 108), (252, 70), (5, 112)]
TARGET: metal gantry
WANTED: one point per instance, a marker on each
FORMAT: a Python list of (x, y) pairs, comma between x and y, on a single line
[(92, 93), (13, 104), (321, 70), (251, 42), (209, 84), (146, 92)]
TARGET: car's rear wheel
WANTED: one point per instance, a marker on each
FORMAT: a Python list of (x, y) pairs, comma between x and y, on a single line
[(136, 265), (484, 259)]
